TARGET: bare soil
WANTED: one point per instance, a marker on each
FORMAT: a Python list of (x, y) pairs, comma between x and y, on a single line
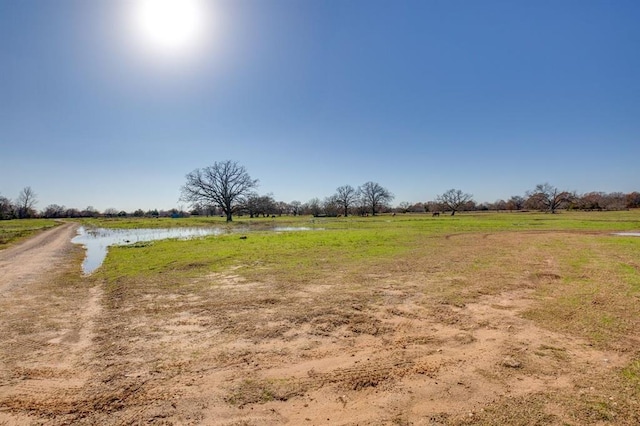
[(388, 346)]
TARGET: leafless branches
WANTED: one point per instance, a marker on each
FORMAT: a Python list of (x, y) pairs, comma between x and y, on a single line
[(224, 184)]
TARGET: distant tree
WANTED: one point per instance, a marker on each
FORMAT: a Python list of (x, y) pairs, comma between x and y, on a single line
[(256, 205), (404, 207), (268, 205), (432, 207), (90, 211), (499, 205), (110, 212), (345, 197), (295, 207), (515, 203), (591, 201), (548, 197), (374, 196), (251, 204), (330, 206), (633, 200), (7, 209), (138, 213), (282, 208), (615, 201), (26, 202), (54, 211), (454, 200), (313, 206), (415, 208), (72, 212), (224, 184)]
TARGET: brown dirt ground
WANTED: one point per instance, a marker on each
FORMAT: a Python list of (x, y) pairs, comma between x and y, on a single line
[(367, 348)]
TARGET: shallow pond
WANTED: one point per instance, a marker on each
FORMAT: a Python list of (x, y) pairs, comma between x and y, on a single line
[(98, 240)]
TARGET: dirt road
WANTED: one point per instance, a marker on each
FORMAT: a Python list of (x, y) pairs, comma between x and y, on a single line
[(45, 326)]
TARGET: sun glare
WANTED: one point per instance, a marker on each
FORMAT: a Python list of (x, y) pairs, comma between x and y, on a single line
[(171, 26)]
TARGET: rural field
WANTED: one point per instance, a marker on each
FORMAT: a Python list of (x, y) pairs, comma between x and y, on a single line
[(475, 319)]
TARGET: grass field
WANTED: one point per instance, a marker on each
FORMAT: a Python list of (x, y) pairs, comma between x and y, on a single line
[(386, 278), (12, 231), (493, 318), (462, 222)]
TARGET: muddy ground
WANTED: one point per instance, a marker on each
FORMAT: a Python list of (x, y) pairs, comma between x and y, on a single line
[(367, 348)]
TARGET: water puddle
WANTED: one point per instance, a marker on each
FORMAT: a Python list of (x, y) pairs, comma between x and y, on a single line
[(294, 229), (628, 234), (98, 240)]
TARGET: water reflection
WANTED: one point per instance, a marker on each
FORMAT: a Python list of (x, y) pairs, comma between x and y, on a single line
[(294, 228), (97, 240)]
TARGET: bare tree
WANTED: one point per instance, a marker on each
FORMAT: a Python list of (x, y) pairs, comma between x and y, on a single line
[(633, 200), (256, 205), (346, 196), (615, 201), (499, 205), (454, 199), (7, 209), (54, 211), (296, 207), (515, 203), (313, 206), (548, 197), (110, 212), (330, 206), (225, 184), (25, 203), (374, 196), (282, 207), (404, 207), (90, 211)]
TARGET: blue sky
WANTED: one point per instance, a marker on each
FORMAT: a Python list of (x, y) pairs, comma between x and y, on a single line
[(491, 97)]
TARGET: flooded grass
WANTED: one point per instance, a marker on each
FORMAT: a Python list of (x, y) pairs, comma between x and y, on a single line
[(97, 241)]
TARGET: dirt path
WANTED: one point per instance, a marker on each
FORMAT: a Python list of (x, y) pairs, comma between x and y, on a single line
[(47, 318), (31, 260)]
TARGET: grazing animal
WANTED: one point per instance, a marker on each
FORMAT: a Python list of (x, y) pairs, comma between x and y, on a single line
[(244, 237), (435, 214)]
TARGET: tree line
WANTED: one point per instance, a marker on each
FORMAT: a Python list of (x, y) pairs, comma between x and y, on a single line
[(23, 207), (226, 189)]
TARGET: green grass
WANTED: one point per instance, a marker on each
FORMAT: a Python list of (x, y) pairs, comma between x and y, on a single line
[(461, 222), (283, 254), (337, 242), (598, 294), (632, 374), (12, 231)]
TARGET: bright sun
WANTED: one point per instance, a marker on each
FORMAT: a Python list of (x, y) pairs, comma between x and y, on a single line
[(171, 26)]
